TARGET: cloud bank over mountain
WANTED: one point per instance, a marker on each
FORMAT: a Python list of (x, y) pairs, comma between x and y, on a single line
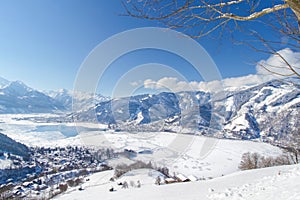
[(277, 63)]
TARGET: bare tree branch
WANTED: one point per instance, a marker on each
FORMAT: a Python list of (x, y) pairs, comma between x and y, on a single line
[(205, 17), (254, 15)]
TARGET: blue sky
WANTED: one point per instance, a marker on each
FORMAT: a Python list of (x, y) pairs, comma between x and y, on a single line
[(43, 43)]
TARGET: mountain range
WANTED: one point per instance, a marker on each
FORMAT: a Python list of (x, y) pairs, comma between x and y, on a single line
[(66, 98), (16, 97), (270, 111)]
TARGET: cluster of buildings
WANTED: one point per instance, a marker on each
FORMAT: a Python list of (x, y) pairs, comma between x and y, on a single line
[(49, 171)]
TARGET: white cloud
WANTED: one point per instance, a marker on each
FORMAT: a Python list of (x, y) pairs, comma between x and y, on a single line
[(277, 64), (172, 84), (135, 83), (176, 85)]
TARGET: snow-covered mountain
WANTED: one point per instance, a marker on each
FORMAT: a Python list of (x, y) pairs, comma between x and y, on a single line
[(16, 97), (68, 97), (270, 111)]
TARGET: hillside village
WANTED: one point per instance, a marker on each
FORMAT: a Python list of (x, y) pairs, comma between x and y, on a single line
[(47, 170)]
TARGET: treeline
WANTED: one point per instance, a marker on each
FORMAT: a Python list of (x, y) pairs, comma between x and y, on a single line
[(255, 161), (124, 168)]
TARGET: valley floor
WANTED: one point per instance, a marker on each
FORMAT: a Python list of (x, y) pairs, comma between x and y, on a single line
[(202, 157)]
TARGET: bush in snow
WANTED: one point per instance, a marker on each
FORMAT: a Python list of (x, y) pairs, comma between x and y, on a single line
[(123, 168), (63, 187)]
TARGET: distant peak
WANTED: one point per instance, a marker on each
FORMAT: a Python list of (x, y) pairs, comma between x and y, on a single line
[(19, 83), (18, 87), (3, 82), (62, 90)]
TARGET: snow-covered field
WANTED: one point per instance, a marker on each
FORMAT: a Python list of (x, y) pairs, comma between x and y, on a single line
[(4, 163), (275, 183), (199, 156)]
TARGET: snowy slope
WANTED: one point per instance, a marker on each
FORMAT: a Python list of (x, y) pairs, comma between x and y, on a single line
[(8, 145), (11, 147), (276, 183), (182, 153)]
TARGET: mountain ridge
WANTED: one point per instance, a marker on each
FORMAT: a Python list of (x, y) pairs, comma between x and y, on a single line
[(240, 114), (9, 145)]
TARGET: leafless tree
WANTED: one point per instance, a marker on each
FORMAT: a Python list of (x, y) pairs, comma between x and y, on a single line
[(215, 17), (294, 143), (255, 161), (247, 162)]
